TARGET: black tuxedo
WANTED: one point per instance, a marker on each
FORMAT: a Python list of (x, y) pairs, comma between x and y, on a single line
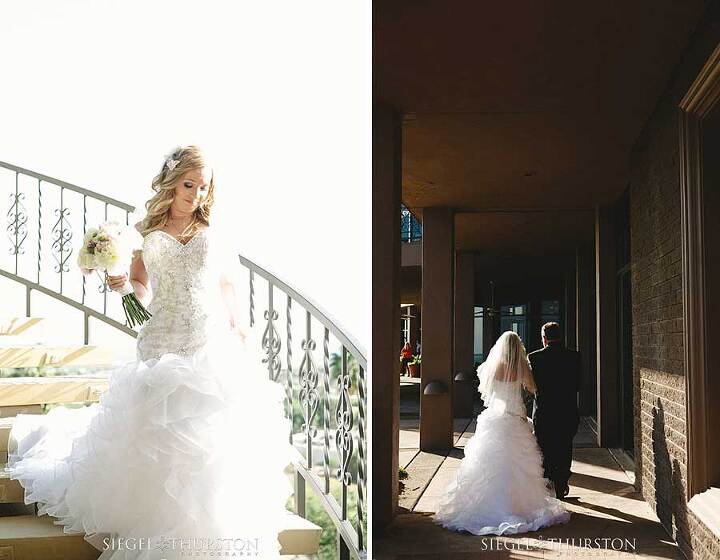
[(556, 371)]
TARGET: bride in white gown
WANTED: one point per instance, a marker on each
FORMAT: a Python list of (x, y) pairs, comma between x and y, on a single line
[(189, 441), (499, 488)]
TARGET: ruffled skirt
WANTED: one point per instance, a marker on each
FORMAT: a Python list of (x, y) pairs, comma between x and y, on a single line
[(499, 488), (178, 447)]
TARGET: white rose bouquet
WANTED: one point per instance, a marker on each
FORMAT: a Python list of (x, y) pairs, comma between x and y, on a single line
[(109, 248)]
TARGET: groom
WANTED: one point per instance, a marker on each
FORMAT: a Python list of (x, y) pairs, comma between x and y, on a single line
[(555, 416)]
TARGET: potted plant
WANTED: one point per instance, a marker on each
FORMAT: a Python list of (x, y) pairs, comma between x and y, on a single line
[(414, 366), (402, 475)]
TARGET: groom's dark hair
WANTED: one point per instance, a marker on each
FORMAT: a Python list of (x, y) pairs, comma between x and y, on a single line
[(551, 331)]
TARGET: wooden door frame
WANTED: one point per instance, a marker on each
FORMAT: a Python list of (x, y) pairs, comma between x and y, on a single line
[(700, 99)]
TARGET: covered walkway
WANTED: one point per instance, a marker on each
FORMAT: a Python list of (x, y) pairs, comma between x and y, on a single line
[(602, 499)]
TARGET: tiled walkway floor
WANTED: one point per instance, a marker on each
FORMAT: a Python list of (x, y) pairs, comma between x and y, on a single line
[(603, 502)]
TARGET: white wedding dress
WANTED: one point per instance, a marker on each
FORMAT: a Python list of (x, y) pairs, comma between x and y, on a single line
[(188, 442), (499, 488)]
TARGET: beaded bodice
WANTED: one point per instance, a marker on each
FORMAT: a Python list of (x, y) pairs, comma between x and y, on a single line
[(186, 300)]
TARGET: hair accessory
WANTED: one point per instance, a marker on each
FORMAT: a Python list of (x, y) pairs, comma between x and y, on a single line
[(171, 163)]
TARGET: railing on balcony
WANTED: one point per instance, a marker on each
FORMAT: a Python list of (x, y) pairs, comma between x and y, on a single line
[(321, 368), (410, 228)]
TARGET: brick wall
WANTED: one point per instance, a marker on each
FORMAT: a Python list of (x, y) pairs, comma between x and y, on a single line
[(658, 366), (658, 361)]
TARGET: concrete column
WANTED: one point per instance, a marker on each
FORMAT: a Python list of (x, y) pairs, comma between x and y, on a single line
[(606, 329), (386, 191), (464, 327), (436, 416)]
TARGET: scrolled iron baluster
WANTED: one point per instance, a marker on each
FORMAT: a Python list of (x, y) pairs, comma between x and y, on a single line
[(62, 237), (308, 379), (289, 374), (17, 223), (271, 342), (326, 410), (362, 466), (343, 434), (252, 298), (39, 243)]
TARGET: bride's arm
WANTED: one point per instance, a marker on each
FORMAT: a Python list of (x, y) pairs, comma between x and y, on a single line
[(528, 380), (139, 278), (230, 298)]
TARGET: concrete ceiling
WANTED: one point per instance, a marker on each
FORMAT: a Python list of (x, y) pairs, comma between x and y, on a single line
[(524, 233), (526, 104)]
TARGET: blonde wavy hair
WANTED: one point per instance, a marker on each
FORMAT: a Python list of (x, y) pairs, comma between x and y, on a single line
[(158, 207)]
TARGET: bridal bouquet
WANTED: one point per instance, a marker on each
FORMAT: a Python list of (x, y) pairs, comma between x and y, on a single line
[(109, 248)]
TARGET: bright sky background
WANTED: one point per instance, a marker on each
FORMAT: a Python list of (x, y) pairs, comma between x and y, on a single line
[(96, 92)]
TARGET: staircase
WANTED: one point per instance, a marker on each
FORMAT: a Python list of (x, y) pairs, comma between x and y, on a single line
[(321, 367), (23, 534), (22, 346)]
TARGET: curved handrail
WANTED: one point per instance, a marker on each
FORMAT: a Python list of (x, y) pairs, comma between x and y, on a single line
[(346, 340), (69, 186)]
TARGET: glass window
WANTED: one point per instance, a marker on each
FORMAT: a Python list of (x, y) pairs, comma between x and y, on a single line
[(514, 318), (550, 311), (405, 333), (410, 228), (478, 336)]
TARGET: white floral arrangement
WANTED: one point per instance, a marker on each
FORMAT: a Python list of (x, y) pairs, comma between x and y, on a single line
[(109, 248)]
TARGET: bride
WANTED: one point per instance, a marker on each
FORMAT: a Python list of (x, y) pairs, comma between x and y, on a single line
[(189, 442), (499, 488)]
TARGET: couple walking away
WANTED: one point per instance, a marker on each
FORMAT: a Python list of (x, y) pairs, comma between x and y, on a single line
[(503, 484)]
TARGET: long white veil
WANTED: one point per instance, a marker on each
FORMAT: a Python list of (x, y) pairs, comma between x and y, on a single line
[(507, 362)]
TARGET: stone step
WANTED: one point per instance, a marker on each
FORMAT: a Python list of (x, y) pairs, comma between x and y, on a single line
[(11, 491), (299, 537), (8, 411), (17, 355), (24, 391), (32, 537), (29, 537), (6, 425), (24, 328)]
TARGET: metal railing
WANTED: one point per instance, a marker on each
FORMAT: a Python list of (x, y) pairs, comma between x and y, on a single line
[(327, 404), (51, 235), (410, 228), (331, 421)]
